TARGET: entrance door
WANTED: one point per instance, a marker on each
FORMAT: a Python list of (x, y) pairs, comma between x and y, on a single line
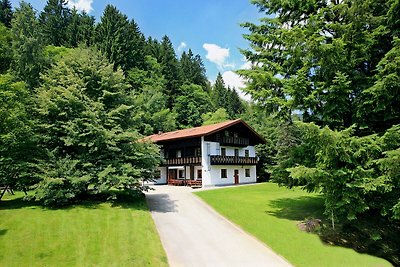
[(172, 174), (236, 176)]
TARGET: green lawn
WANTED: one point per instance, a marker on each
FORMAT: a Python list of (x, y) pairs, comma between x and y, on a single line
[(90, 234), (271, 214)]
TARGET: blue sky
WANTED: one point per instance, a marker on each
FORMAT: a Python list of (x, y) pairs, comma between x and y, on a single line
[(209, 27)]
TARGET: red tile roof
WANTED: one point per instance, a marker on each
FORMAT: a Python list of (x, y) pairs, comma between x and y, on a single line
[(197, 131)]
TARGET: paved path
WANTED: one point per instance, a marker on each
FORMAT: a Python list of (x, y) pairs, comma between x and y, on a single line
[(195, 235)]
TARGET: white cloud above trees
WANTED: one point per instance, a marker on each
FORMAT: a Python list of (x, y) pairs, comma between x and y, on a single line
[(181, 47), (218, 55), (81, 5)]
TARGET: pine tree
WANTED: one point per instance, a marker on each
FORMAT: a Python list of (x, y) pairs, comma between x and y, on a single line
[(54, 20), (192, 69), (26, 45), (5, 48), (170, 70), (6, 12), (304, 52), (219, 94), (120, 39), (80, 29)]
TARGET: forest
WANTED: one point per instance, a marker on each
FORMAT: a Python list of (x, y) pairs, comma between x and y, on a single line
[(77, 94)]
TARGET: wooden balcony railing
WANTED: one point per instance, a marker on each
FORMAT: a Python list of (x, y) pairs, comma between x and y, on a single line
[(182, 161), (232, 160), (230, 140)]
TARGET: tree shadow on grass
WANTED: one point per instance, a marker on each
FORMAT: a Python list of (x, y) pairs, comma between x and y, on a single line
[(87, 202), (370, 234), (17, 203), (3, 232), (297, 209)]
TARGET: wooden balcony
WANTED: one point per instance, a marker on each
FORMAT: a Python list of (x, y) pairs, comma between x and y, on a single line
[(234, 141), (182, 161), (232, 160)]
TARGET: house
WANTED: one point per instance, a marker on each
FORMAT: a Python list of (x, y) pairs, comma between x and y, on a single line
[(217, 154)]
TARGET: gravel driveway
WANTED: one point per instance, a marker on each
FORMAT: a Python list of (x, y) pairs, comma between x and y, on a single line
[(193, 234)]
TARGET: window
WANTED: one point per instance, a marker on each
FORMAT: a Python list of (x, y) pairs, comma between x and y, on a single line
[(223, 151), (178, 154), (227, 133), (246, 153), (247, 172), (223, 173), (236, 135), (181, 176), (199, 174), (236, 152)]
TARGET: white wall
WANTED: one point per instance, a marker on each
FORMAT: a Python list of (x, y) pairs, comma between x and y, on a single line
[(163, 176), (212, 173), (215, 174)]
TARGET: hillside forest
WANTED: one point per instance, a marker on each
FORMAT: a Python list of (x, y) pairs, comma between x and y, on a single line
[(77, 94)]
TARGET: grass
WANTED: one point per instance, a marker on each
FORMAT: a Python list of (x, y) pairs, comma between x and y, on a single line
[(88, 234), (271, 214)]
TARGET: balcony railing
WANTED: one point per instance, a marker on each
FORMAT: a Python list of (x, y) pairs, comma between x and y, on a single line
[(232, 160), (230, 140), (182, 161)]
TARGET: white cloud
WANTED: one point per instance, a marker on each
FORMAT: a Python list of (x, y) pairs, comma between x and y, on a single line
[(233, 80), (218, 55), (81, 5), (181, 47)]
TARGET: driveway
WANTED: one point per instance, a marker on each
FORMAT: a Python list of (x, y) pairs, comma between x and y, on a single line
[(193, 234)]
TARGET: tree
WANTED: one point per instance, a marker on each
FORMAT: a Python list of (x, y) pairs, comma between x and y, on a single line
[(226, 98), (219, 115), (5, 48), (86, 127), (191, 104), (192, 69), (18, 149), (6, 13), (54, 20), (380, 105), (120, 39), (170, 70), (26, 45), (308, 56), (80, 29), (151, 114)]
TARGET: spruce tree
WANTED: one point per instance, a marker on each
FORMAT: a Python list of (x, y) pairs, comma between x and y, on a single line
[(120, 39), (170, 70), (54, 20), (80, 29), (6, 12), (192, 69), (27, 47)]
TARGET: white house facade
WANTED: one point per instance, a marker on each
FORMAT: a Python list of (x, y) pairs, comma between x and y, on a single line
[(212, 155)]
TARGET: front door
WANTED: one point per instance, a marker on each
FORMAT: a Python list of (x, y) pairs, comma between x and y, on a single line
[(236, 176), (172, 174)]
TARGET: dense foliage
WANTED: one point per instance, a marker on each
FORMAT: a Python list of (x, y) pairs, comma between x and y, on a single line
[(77, 96), (335, 66)]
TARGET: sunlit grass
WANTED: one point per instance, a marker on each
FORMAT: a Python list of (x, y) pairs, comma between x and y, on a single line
[(89, 234), (271, 214)]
